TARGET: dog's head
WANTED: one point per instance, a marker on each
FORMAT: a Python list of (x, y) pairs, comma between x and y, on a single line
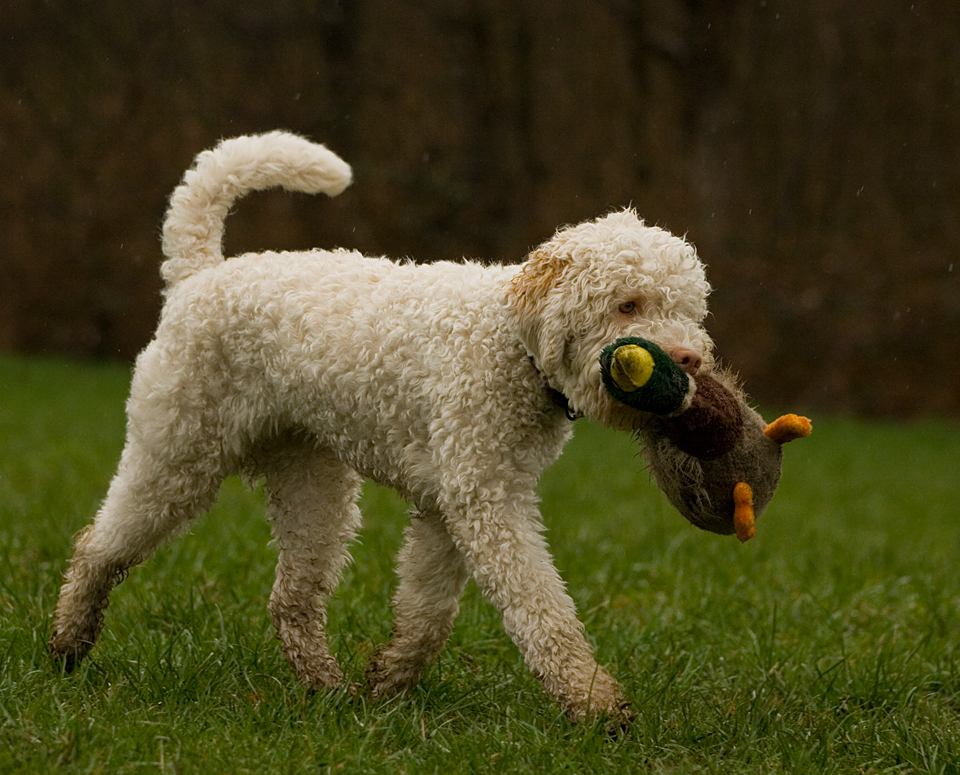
[(599, 281)]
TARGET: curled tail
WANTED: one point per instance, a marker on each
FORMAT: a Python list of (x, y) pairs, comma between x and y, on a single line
[(193, 226)]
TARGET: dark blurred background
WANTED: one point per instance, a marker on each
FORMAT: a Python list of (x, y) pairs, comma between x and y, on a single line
[(809, 148)]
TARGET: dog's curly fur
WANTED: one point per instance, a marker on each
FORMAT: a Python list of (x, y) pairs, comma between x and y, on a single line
[(453, 383)]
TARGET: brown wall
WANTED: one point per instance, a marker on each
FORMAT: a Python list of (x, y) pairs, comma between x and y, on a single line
[(811, 150)]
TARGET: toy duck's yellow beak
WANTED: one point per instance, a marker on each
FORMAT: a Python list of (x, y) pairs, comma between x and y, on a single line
[(631, 367)]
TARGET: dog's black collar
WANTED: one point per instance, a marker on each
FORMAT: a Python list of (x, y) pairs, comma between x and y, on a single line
[(563, 402), (558, 398)]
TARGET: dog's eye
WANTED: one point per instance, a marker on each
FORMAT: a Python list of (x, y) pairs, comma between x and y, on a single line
[(628, 307)]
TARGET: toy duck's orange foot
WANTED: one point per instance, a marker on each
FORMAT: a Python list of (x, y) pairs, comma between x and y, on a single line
[(743, 516), (788, 428)]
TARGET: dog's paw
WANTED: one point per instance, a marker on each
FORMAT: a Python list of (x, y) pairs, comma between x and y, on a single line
[(317, 673), (68, 645), (66, 658), (388, 675), (600, 701), (616, 718), (620, 721)]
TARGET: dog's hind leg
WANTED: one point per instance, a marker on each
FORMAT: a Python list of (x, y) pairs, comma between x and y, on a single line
[(432, 576), (148, 501), (313, 509)]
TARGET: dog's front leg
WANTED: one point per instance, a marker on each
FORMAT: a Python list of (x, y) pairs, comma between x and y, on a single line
[(511, 563)]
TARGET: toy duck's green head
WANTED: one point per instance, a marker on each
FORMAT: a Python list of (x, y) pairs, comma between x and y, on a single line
[(639, 374)]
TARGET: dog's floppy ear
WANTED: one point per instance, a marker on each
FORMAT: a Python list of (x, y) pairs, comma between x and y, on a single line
[(539, 315), (537, 276)]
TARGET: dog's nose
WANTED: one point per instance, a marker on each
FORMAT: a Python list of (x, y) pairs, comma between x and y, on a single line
[(688, 360)]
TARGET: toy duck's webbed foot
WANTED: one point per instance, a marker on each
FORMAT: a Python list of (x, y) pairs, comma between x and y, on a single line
[(789, 427), (743, 516)]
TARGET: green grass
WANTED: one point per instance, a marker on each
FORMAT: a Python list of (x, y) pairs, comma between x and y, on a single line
[(829, 643)]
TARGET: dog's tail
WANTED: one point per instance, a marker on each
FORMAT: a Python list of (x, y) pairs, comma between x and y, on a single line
[(193, 227)]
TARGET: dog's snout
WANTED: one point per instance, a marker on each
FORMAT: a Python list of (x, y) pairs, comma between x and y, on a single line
[(688, 360)]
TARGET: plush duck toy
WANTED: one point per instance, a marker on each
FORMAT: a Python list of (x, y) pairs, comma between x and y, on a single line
[(713, 456)]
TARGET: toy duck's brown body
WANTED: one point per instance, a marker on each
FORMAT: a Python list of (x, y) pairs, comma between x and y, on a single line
[(715, 458)]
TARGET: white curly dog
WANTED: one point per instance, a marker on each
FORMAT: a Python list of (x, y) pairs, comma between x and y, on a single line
[(454, 383)]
